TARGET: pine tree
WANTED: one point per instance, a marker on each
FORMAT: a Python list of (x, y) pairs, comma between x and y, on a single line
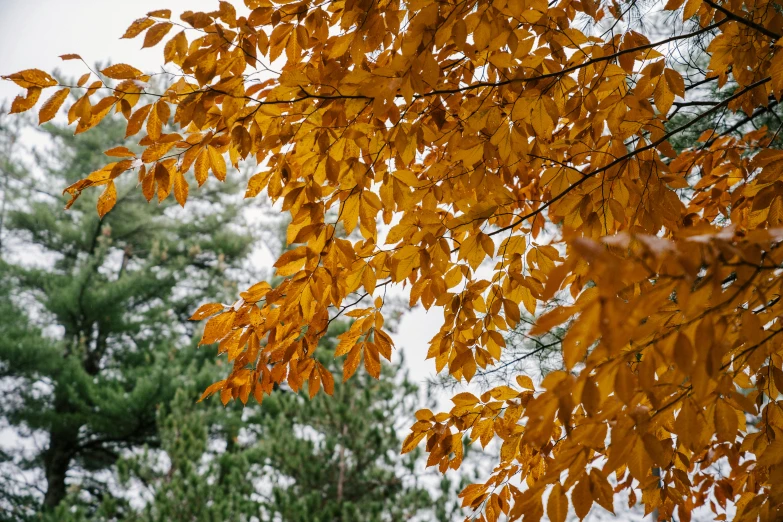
[(108, 380), (103, 292), (336, 458), (297, 460)]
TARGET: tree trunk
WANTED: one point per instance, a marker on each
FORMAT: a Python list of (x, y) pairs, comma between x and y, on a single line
[(63, 440), (341, 466)]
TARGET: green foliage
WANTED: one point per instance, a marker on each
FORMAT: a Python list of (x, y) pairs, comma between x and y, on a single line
[(106, 372), (112, 296), (296, 460)]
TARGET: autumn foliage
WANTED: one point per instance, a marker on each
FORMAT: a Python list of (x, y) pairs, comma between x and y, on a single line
[(525, 138)]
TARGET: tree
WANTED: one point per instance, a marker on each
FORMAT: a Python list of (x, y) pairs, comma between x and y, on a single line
[(296, 460), (213, 472), (499, 133), (92, 331)]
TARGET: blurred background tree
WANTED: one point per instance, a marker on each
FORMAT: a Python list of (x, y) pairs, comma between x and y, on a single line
[(101, 372), (106, 302), (294, 459)]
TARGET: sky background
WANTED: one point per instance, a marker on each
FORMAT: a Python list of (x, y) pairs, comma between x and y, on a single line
[(34, 33)]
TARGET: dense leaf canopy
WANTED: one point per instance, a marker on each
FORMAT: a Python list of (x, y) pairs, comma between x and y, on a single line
[(520, 154)]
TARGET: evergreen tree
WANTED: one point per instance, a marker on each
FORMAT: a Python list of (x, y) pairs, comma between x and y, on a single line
[(103, 292), (337, 458), (329, 459), (107, 380)]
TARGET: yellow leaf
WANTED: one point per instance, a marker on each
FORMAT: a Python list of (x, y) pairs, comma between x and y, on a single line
[(582, 497), (201, 169), (546, 322), (212, 389), (664, 97), (372, 361), (726, 422), (691, 7), (22, 104), (314, 383), (137, 120), (155, 152), (411, 441), (206, 310), (160, 13), (601, 490), (137, 27), (120, 152), (32, 78), (291, 261), (107, 199), (218, 327), (180, 188), (156, 33), (327, 379), (557, 504), (352, 362), (525, 382), (217, 162), (121, 71), (350, 213), (163, 180), (52, 105)]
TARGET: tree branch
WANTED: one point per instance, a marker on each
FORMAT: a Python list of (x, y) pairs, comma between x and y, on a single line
[(744, 21)]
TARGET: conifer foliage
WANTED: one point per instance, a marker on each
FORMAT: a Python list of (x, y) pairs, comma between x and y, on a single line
[(92, 320), (471, 128)]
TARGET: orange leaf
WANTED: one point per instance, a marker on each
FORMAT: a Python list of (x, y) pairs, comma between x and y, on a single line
[(107, 199), (121, 71), (557, 504), (137, 27), (156, 34), (22, 104), (206, 310), (180, 188), (218, 327), (213, 388), (120, 152)]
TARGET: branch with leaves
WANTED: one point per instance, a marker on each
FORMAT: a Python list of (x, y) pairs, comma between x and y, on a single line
[(447, 136)]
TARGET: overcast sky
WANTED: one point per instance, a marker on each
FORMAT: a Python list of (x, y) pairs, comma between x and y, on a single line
[(34, 33)]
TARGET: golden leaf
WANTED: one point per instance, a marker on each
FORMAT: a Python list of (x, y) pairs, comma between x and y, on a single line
[(32, 78), (22, 104), (121, 71), (156, 33), (212, 389), (206, 310), (120, 152), (217, 163), (557, 504), (137, 27), (218, 327), (180, 188)]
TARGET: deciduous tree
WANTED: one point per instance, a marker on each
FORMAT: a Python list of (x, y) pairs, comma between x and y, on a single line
[(526, 136)]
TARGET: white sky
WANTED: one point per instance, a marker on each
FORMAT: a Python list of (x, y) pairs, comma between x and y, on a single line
[(34, 33)]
